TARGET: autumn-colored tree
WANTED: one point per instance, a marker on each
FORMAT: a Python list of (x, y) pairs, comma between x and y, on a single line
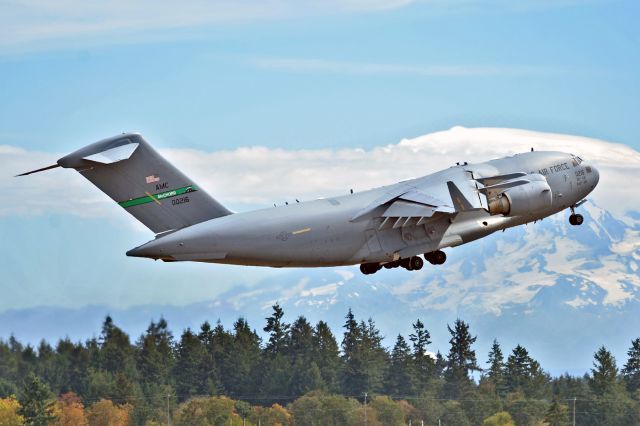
[(276, 415), (106, 413), (69, 411), (501, 418), (9, 412), (388, 411), (205, 411)]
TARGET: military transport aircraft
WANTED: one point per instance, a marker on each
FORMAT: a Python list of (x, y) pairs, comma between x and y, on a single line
[(385, 227)]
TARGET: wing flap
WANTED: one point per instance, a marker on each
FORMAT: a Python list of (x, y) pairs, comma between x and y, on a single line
[(409, 196)]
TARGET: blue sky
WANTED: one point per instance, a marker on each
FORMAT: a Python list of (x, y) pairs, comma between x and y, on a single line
[(338, 78), (302, 75)]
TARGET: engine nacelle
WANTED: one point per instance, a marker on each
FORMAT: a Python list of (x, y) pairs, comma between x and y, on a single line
[(523, 200)]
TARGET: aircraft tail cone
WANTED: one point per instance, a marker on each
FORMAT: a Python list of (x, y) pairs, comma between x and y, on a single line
[(153, 250)]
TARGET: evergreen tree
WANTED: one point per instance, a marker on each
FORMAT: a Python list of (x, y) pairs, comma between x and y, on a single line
[(193, 371), (327, 355), (206, 335), (242, 360), (305, 373), (374, 357), (604, 373), (557, 414), (305, 378), (155, 364), (424, 363), (48, 369), (495, 372), (8, 370), (350, 355), (461, 359), (276, 378), (352, 335), (155, 354), (440, 365), (218, 343), (401, 374), (524, 373), (116, 353), (363, 356), (301, 341), (27, 362), (278, 332), (74, 361), (631, 370), (37, 403)]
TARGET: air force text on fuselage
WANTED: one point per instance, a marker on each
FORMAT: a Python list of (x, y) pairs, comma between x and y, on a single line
[(391, 226)]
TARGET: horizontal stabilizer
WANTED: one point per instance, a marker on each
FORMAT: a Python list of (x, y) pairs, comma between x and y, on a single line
[(113, 155)]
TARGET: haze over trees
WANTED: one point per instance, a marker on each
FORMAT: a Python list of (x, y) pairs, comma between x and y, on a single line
[(303, 374)]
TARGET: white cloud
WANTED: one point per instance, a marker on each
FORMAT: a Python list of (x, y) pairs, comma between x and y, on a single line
[(249, 177)]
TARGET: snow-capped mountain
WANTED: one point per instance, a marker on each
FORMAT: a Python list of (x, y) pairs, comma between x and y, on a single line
[(560, 290)]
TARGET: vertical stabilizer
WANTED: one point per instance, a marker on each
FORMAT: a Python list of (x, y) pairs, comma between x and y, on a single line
[(141, 181)]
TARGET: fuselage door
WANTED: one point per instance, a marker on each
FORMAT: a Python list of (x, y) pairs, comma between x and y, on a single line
[(372, 241)]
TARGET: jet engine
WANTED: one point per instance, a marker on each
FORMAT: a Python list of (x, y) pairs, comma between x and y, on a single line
[(529, 197)]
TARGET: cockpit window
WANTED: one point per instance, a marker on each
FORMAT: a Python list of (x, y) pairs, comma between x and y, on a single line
[(575, 160)]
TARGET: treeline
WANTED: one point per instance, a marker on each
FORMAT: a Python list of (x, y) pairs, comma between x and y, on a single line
[(301, 375)]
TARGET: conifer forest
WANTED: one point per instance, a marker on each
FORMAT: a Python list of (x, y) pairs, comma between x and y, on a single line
[(303, 374)]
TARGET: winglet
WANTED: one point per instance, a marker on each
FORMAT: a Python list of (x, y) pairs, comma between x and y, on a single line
[(459, 201)]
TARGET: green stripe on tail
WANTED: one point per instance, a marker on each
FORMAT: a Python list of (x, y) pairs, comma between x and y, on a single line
[(159, 196)]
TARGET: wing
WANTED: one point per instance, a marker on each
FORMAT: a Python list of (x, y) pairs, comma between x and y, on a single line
[(412, 206)]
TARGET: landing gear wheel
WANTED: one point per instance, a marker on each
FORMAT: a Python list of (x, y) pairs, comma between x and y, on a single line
[(416, 263), (370, 268), (437, 257), (579, 219), (406, 264), (576, 219)]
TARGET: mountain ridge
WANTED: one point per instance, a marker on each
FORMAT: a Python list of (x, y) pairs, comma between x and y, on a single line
[(547, 285)]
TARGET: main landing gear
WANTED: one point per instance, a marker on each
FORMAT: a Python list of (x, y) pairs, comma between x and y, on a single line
[(575, 218), (414, 263), (437, 257)]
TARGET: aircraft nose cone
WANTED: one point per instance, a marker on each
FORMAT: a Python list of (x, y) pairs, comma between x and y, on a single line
[(595, 176)]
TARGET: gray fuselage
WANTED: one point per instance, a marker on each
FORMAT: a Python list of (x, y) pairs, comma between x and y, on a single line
[(330, 231)]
